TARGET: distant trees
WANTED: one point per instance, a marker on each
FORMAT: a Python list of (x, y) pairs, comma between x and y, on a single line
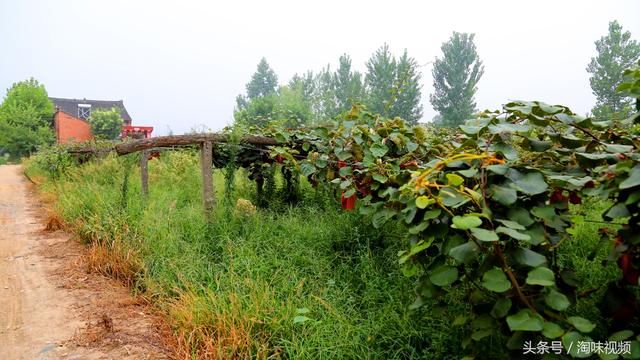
[(263, 82), (25, 119), (616, 52), (106, 124), (455, 79), (393, 85), (390, 87), (266, 102)]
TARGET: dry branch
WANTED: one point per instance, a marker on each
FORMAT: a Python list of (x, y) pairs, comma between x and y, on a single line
[(185, 140)]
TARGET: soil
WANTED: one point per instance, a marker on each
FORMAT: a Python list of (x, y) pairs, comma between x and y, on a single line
[(51, 307)]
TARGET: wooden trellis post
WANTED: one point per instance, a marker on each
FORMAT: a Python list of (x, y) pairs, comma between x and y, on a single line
[(144, 172), (206, 163)]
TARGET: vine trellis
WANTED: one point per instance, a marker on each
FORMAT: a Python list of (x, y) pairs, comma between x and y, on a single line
[(486, 208)]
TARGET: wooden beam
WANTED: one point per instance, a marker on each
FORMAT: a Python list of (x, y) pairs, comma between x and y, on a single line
[(186, 140), (208, 192), (144, 172)]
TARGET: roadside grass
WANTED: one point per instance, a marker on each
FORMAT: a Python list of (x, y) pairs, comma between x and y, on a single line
[(303, 282)]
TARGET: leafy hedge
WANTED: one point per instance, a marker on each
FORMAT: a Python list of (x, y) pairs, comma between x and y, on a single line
[(487, 208)]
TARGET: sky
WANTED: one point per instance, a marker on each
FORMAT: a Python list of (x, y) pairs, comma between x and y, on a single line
[(179, 65)]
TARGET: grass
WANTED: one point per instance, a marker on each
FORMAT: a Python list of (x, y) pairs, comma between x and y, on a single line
[(304, 282)]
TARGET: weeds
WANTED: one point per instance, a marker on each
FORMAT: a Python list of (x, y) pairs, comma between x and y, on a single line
[(303, 282)]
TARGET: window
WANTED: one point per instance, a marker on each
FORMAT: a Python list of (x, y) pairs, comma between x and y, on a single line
[(84, 111)]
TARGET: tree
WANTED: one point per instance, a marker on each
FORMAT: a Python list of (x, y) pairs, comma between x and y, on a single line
[(393, 85), (407, 90), (306, 84), (616, 52), (379, 80), (347, 85), (287, 106), (455, 79), (106, 124), (263, 82), (29, 93), (324, 103), (25, 119)]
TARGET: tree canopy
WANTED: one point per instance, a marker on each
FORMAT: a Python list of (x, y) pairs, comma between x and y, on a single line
[(393, 85), (455, 79), (616, 52), (25, 119), (106, 124), (263, 82)]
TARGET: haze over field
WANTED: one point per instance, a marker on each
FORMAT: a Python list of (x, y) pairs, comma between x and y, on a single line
[(178, 65)]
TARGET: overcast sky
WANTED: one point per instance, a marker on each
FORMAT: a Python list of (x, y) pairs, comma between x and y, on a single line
[(180, 64)]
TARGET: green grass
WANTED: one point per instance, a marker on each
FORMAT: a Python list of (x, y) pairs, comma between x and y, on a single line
[(235, 287)]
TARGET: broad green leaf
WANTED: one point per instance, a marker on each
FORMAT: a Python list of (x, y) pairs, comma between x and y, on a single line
[(465, 253), (454, 180), (496, 281), (528, 257), (633, 179), (511, 224), (344, 155), (443, 275), (616, 211), (466, 222), (557, 300), (423, 201), (531, 183), (431, 214), (621, 335), (541, 276), (378, 150), (552, 330), (521, 216), (525, 320), (546, 212), (484, 235), (501, 308), (583, 325), (570, 342), (345, 171), (380, 178), (470, 129), (508, 128), (307, 169), (504, 195), (635, 348), (381, 217), (513, 233), (452, 198), (498, 169)]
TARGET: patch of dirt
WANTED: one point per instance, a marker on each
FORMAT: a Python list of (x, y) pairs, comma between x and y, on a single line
[(52, 307)]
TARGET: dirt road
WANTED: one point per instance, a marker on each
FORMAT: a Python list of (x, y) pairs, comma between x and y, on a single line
[(50, 307)]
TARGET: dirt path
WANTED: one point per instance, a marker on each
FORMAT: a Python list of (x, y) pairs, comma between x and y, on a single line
[(50, 307)]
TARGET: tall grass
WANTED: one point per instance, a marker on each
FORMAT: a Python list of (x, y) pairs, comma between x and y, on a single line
[(303, 282)]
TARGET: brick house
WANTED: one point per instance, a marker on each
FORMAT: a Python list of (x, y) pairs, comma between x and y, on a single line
[(70, 119)]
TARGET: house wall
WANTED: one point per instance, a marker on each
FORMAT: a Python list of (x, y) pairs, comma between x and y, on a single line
[(71, 129)]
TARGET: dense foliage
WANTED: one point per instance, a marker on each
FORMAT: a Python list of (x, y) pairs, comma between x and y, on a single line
[(488, 209), (106, 124), (391, 87), (25, 119)]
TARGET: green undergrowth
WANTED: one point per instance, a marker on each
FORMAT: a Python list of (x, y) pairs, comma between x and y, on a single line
[(301, 282)]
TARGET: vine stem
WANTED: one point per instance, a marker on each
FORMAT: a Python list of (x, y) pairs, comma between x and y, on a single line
[(513, 279)]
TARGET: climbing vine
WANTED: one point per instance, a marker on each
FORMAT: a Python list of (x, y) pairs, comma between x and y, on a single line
[(487, 208)]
